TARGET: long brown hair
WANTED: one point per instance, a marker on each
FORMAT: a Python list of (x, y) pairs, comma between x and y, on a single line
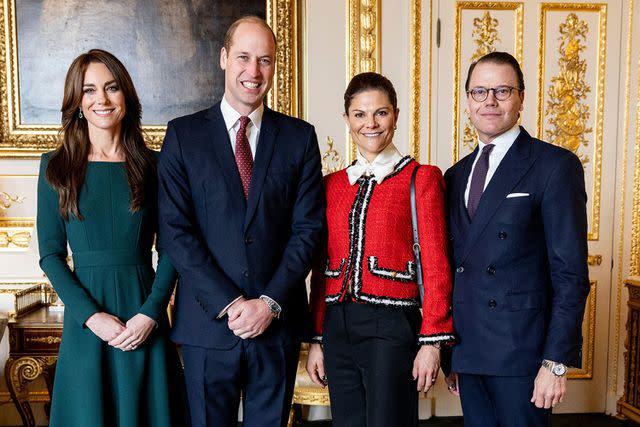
[(68, 164)]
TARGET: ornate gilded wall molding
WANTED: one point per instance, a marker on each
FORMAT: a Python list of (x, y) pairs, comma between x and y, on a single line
[(23, 141), (364, 36), (486, 34), (566, 111), (415, 46), (282, 16), (635, 219), (570, 108), (363, 32), (586, 372), (613, 350), (16, 233)]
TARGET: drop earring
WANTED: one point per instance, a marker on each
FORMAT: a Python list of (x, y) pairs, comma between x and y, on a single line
[(80, 112)]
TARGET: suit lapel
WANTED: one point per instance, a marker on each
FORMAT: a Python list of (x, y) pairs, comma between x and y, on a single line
[(264, 151), (512, 168), (461, 214), (225, 157)]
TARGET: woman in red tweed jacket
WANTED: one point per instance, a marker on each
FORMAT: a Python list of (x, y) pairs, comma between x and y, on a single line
[(372, 345)]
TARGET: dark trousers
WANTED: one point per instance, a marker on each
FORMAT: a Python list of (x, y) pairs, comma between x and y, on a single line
[(489, 401), (265, 374), (369, 353)]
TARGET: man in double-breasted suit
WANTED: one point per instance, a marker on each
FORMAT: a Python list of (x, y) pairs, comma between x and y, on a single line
[(518, 231), (241, 211)]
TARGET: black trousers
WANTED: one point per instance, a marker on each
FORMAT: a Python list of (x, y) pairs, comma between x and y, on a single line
[(489, 401), (369, 352)]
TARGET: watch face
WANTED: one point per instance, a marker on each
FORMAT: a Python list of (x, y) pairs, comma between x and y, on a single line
[(559, 369)]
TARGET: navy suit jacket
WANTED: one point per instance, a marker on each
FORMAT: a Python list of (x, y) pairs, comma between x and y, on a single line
[(520, 267), (224, 246)]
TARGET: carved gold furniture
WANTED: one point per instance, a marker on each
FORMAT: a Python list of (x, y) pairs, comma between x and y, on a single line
[(629, 403), (18, 298), (34, 339), (305, 391)]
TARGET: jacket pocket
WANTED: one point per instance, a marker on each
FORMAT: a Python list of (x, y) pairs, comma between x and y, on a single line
[(334, 273), (406, 275), (525, 300)]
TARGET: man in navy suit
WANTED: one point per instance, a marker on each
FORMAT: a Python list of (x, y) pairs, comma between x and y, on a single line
[(241, 212), (518, 231)]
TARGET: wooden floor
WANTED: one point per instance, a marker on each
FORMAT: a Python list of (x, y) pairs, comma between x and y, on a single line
[(565, 420)]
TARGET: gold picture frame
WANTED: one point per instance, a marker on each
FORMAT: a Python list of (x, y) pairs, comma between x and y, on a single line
[(28, 140)]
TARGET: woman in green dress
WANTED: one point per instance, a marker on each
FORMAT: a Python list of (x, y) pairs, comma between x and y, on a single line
[(97, 194)]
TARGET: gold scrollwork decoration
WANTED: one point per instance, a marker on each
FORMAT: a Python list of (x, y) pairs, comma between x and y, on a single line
[(16, 233), (22, 371), (29, 141), (20, 239), (568, 108), (486, 35), (6, 200), (25, 369), (566, 111), (331, 159), (44, 340), (485, 31)]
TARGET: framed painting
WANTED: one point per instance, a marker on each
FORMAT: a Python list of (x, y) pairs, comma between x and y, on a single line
[(171, 49)]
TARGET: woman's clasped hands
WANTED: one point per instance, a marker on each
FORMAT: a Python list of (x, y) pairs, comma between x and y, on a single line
[(125, 337)]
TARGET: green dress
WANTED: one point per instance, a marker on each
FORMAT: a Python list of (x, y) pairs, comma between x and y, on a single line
[(96, 384)]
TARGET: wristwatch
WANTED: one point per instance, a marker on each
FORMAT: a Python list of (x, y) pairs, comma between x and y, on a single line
[(274, 307), (557, 369)]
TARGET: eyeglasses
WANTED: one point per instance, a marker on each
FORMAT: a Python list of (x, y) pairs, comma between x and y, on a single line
[(502, 93)]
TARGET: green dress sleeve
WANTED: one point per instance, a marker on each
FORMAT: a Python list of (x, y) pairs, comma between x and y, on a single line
[(156, 303), (52, 243)]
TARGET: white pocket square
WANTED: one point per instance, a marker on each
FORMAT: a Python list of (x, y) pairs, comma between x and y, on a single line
[(512, 195)]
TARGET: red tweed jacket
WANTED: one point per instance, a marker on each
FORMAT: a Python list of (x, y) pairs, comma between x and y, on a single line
[(369, 254)]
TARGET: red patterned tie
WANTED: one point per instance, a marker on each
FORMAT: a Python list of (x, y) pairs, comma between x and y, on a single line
[(244, 159)]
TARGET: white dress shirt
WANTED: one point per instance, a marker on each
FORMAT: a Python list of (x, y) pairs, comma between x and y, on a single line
[(232, 122), (383, 165), (501, 143)]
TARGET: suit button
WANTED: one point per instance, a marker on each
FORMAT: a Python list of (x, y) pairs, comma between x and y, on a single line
[(491, 270), (460, 269), (502, 235), (492, 303), (248, 240), (245, 273)]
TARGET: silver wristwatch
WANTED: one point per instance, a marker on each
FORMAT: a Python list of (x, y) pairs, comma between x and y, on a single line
[(274, 307), (557, 369)]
